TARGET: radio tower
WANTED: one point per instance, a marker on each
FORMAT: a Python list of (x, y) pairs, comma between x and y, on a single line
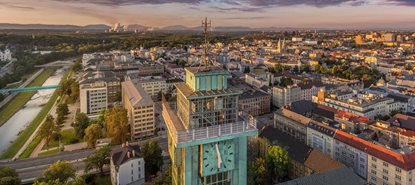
[(206, 26)]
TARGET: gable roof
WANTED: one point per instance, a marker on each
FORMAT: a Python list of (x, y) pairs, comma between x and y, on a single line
[(318, 162), (136, 94), (404, 161)]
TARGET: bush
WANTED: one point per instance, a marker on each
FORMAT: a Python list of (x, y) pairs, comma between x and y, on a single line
[(73, 140)]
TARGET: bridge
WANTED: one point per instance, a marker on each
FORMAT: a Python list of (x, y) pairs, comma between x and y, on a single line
[(28, 89), (56, 64)]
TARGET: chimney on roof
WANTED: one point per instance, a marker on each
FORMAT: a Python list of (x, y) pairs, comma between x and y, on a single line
[(126, 143), (133, 153), (129, 154), (123, 145)]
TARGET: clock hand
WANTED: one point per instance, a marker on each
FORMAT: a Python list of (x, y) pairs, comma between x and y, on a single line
[(218, 157)]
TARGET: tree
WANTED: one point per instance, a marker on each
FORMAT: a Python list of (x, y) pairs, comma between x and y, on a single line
[(151, 152), (164, 177), (60, 170), (278, 68), (80, 124), (296, 69), (62, 111), (257, 172), (8, 176), (92, 134), (47, 129), (247, 69), (74, 90), (286, 81), (116, 121), (98, 159), (305, 68), (257, 148), (77, 66), (277, 159)]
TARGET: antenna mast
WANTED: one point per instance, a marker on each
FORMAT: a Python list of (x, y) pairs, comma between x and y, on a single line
[(206, 26)]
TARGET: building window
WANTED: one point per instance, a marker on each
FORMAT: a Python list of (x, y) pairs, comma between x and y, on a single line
[(385, 164), (385, 178), (398, 177), (398, 169), (385, 171)]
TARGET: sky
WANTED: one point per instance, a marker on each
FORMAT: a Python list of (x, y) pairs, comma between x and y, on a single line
[(251, 13)]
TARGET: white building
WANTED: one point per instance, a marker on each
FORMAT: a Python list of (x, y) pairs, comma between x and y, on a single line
[(367, 105), (6, 55), (349, 151), (93, 98), (282, 96), (321, 137), (127, 166), (152, 85)]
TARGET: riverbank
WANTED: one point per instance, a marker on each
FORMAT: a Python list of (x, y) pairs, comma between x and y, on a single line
[(27, 145), (15, 104), (26, 134)]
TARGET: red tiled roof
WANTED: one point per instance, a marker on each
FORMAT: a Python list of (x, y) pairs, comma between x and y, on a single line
[(404, 161)]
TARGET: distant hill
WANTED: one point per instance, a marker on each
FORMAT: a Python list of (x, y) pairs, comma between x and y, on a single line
[(137, 27), (9, 26)]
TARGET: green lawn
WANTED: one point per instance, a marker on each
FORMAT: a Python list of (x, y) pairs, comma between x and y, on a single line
[(19, 142), (68, 137), (22, 98), (50, 152)]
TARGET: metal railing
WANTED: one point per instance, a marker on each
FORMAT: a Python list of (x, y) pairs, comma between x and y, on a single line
[(182, 135), (213, 131)]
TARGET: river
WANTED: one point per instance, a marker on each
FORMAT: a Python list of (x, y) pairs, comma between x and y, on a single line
[(22, 118)]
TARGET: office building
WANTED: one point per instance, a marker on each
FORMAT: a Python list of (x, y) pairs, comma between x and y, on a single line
[(140, 109)]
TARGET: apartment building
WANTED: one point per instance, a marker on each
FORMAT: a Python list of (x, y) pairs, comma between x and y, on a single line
[(140, 109), (93, 98), (282, 96), (321, 137), (392, 136), (112, 83), (292, 123), (127, 166), (255, 102), (6, 55), (152, 85), (350, 151), (367, 105), (383, 165)]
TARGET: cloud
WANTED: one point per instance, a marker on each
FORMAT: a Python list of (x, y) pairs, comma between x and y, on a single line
[(403, 2), (241, 5), (133, 2), (315, 3), (16, 6)]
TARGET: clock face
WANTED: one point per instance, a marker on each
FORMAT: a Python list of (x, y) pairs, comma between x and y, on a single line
[(208, 155), (227, 149), (217, 157)]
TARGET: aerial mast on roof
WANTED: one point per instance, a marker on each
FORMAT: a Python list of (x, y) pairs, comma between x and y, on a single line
[(206, 26)]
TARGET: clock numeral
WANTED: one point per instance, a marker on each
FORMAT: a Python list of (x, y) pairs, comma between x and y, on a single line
[(231, 153), (224, 166), (206, 151), (205, 158), (229, 160)]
